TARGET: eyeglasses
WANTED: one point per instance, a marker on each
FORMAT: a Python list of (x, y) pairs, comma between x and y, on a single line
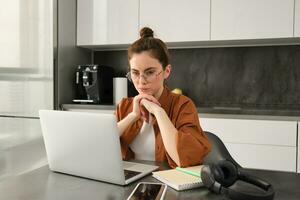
[(148, 76)]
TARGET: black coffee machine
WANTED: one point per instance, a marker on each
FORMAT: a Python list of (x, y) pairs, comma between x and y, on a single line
[(94, 84)]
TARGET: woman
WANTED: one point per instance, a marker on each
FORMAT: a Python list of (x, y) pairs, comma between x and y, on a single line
[(157, 124)]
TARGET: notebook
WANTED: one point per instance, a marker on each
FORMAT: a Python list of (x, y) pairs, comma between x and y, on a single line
[(179, 180)]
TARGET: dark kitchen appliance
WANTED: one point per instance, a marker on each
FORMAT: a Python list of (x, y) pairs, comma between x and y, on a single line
[(94, 84)]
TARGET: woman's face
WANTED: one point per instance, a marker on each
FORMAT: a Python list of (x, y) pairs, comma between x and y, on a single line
[(147, 74)]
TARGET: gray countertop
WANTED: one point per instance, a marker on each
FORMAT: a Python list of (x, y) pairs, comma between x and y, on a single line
[(222, 113), (43, 184)]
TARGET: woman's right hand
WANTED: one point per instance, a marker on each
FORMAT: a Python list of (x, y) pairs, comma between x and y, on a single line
[(138, 111)]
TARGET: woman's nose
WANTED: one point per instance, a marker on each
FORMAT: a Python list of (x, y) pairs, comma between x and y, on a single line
[(142, 79)]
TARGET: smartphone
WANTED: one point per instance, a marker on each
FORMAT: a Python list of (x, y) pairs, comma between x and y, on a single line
[(148, 191)]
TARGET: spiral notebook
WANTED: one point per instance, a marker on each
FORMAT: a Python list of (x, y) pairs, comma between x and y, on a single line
[(179, 180)]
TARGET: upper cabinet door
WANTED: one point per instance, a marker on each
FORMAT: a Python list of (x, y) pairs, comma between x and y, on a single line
[(103, 22), (177, 20), (297, 18), (251, 19)]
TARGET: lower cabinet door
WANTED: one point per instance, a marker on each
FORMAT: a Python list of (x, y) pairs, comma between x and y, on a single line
[(260, 144), (280, 158)]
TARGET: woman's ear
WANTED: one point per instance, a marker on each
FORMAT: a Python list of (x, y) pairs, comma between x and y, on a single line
[(167, 71)]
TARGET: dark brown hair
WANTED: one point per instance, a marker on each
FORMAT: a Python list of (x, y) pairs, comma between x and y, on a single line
[(154, 46)]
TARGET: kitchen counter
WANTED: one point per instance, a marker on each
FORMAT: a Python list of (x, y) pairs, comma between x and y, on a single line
[(217, 112)]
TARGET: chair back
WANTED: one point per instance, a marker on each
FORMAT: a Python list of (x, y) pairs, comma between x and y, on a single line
[(218, 151)]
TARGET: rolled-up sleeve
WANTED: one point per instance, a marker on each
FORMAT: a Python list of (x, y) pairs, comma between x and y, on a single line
[(121, 114), (118, 110), (192, 143)]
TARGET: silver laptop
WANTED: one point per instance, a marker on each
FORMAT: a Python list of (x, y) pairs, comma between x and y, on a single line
[(87, 145)]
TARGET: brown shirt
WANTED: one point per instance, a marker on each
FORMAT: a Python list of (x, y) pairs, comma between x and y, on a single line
[(192, 144)]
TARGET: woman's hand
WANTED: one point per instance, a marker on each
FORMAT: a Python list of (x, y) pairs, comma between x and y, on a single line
[(138, 110), (151, 107)]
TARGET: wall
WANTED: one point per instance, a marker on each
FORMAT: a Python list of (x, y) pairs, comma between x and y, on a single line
[(234, 78), (66, 54)]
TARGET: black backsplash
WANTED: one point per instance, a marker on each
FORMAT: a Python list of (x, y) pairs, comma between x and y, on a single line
[(236, 78)]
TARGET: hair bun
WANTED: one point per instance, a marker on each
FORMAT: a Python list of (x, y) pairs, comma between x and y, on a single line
[(146, 32)]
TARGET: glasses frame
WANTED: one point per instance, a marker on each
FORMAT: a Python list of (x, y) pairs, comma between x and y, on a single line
[(128, 76)]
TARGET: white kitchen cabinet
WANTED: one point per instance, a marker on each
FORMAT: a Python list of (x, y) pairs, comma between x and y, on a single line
[(252, 131), (251, 19), (262, 144), (297, 18), (270, 157), (177, 20), (107, 22)]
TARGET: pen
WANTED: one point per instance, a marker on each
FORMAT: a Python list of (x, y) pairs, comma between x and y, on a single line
[(188, 171)]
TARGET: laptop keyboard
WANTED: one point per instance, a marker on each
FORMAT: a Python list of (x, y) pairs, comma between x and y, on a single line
[(129, 174)]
